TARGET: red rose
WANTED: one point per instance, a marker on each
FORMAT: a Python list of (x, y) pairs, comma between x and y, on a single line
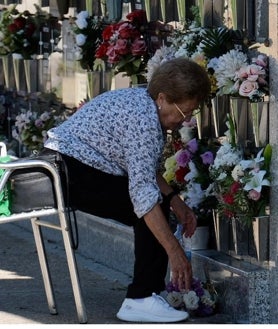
[(128, 31), (102, 49), (180, 173), (137, 17), (139, 47), (121, 47), (12, 28), (30, 29), (235, 187), (228, 198), (108, 32), (20, 22)]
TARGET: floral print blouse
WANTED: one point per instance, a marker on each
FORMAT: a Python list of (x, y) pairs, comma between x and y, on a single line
[(117, 132)]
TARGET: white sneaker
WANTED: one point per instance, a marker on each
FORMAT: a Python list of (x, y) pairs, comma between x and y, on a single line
[(150, 309)]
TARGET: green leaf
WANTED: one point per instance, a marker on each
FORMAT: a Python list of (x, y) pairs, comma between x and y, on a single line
[(267, 156)]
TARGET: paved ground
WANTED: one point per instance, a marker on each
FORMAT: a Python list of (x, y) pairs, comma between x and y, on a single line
[(22, 297)]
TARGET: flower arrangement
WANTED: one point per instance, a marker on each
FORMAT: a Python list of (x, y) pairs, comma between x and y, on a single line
[(187, 170), (236, 75), (31, 128), (200, 300), (26, 29), (88, 36), (241, 184), (124, 46), (5, 33)]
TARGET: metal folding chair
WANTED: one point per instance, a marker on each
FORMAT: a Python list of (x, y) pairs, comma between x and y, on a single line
[(37, 223)]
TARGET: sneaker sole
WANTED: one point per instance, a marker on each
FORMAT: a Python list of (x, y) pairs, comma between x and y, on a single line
[(137, 317)]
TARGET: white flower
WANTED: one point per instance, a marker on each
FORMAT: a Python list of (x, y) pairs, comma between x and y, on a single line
[(237, 172), (80, 39), (252, 163), (174, 298), (193, 173), (81, 20), (191, 300), (257, 181), (206, 299), (161, 55), (185, 133), (193, 195), (226, 68)]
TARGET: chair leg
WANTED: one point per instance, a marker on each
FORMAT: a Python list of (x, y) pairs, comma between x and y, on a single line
[(44, 267), (80, 306)]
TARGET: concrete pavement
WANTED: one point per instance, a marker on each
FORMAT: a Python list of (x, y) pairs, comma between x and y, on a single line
[(22, 296)]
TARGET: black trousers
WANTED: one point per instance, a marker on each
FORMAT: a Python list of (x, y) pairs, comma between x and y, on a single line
[(107, 196)]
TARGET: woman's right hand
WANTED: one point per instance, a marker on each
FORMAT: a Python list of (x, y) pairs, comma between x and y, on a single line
[(181, 269)]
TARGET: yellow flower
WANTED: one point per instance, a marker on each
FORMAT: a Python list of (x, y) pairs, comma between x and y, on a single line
[(170, 166)]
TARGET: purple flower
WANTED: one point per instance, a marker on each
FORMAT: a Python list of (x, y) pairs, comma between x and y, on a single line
[(207, 158), (183, 157), (192, 145)]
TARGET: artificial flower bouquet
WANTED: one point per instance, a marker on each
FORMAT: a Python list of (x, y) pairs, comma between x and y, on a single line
[(187, 170), (124, 46), (5, 33), (200, 300), (241, 183), (31, 128), (238, 75), (88, 36), (27, 29)]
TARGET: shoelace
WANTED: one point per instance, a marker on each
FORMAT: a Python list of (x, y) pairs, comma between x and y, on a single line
[(161, 300)]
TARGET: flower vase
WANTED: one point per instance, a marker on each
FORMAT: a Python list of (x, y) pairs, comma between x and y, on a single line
[(222, 232), (219, 114), (18, 72), (198, 117), (30, 69), (93, 84), (89, 7), (163, 10), (201, 6), (240, 233), (260, 226), (260, 122), (200, 238), (6, 70), (148, 9), (239, 114), (181, 6), (105, 80)]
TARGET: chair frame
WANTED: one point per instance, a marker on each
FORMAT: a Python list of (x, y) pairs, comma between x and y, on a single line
[(35, 215)]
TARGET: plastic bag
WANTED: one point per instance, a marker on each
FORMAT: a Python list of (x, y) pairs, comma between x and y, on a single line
[(5, 194)]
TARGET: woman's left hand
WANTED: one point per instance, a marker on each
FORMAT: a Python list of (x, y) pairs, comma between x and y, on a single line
[(185, 215)]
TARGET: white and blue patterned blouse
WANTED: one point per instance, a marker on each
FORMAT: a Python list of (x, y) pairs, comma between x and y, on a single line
[(118, 132)]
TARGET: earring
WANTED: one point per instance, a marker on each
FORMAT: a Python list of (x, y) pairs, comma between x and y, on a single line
[(159, 107)]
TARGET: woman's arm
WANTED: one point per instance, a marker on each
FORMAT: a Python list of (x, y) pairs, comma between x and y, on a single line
[(184, 214), (180, 266)]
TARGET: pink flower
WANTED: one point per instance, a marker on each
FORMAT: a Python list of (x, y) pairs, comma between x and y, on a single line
[(139, 47), (121, 47), (254, 195), (247, 87), (254, 70)]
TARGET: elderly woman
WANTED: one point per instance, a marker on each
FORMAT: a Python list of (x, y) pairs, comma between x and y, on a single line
[(112, 147)]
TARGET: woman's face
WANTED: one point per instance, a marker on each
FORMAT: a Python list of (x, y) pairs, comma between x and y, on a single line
[(172, 115)]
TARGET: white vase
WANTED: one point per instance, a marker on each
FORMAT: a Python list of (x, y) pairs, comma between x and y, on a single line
[(200, 238), (260, 122)]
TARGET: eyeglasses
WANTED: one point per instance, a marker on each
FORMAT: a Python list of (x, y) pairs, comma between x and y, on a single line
[(187, 117)]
